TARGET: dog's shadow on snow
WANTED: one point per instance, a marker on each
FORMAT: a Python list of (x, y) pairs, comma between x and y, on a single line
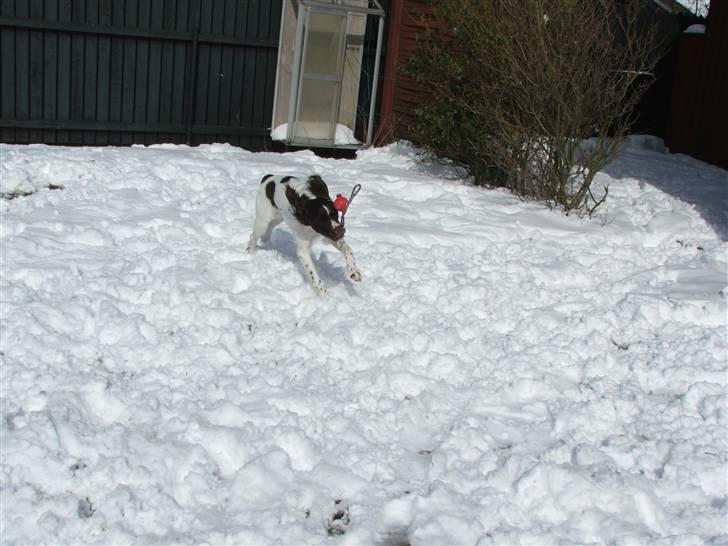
[(330, 266)]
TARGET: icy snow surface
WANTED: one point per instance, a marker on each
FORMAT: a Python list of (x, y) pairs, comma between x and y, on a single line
[(504, 374)]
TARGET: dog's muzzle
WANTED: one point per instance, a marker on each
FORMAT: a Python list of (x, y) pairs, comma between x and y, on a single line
[(339, 233)]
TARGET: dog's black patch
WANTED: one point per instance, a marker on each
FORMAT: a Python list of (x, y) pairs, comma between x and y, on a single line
[(318, 187), (270, 191), (266, 177), (286, 179), (321, 213), (298, 203)]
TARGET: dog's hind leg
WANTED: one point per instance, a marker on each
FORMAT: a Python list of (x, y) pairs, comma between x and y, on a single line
[(304, 254), (266, 218), (351, 268), (259, 228), (268, 230)]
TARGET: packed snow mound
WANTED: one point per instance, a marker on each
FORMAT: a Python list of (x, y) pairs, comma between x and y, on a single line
[(504, 374), (343, 135)]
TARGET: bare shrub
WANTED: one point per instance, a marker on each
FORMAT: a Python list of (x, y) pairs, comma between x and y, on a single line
[(515, 88)]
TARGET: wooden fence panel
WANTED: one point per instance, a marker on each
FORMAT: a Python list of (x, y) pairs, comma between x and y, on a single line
[(97, 72), (699, 110)]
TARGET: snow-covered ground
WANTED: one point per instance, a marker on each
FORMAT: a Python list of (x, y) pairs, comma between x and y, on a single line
[(504, 374)]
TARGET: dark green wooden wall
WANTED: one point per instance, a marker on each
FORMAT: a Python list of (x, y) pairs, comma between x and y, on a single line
[(119, 72)]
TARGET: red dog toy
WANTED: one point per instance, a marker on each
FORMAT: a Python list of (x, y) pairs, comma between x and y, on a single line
[(342, 203)]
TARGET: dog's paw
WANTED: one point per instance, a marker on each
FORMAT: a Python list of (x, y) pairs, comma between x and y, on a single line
[(320, 289), (355, 276), (252, 248)]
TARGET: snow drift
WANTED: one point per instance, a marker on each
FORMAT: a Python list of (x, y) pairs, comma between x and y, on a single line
[(503, 375)]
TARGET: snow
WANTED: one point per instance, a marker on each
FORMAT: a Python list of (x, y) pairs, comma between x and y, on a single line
[(343, 136), (695, 29), (505, 374)]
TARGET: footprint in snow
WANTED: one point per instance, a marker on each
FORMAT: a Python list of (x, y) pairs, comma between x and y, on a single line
[(338, 522)]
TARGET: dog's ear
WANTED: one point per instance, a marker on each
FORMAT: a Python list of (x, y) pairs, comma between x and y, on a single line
[(298, 204), (322, 217), (318, 187)]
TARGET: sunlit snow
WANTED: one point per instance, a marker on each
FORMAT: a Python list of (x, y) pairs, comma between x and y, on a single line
[(504, 374)]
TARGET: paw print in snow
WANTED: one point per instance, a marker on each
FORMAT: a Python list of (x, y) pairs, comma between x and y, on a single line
[(338, 522)]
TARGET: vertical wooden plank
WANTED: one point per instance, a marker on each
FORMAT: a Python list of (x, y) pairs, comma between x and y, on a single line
[(154, 85), (116, 70), (78, 59), (218, 17), (50, 68), (236, 88), (36, 81), (129, 72), (36, 9), (166, 84), (181, 53), (106, 12), (90, 87), (22, 68), (226, 74), (194, 71), (204, 72), (7, 71), (117, 51), (142, 71), (36, 73), (7, 8), (261, 25), (274, 32), (216, 74), (75, 137), (203, 79), (213, 87), (264, 20), (249, 23), (260, 88), (239, 112), (192, 15), (229, 17), (241, 17), (103, 88), (63, 103), (79, 11), (206, 17)]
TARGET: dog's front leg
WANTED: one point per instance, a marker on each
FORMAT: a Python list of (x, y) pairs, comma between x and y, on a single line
[(351, 268), (304, 254)]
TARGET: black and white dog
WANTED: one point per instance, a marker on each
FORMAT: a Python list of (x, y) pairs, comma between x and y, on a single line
[(307, 208)]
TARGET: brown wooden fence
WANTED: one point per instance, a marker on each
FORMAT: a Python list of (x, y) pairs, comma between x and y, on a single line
[(400, 94), (699, 107)]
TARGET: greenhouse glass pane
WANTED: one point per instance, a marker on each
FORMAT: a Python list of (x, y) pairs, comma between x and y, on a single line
[(316, 109), (324, 40)]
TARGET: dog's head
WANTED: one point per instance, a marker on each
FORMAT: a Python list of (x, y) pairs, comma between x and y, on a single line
[(324, 218), (316, 210)]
